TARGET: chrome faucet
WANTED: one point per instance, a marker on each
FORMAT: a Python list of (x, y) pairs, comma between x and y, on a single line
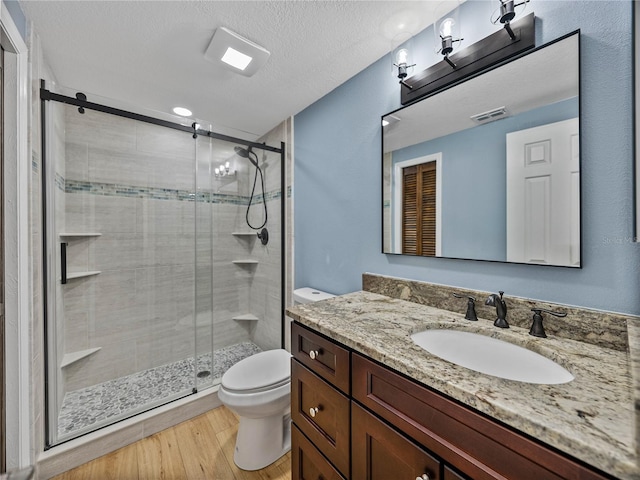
[(501, 309)]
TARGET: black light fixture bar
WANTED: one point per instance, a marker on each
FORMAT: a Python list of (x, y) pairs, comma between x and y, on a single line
[(483, 54)]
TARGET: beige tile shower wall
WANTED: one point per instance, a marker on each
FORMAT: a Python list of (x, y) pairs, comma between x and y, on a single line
[(231, 282), (139, 310), (266, 288)]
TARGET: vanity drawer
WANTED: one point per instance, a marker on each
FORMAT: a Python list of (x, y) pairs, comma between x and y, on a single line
[(321, 356), (380, 453), (322, 414), (307, 463), (473, 444)]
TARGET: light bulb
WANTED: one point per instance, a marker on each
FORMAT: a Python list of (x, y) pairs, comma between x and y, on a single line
[(226, 166), (446, 27), (402, 56), (217, 172)]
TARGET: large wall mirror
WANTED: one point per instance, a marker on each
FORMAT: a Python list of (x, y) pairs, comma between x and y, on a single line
[(489, 169)]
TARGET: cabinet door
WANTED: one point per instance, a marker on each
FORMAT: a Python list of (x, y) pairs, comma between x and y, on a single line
[(380, 453), (307, 463), (322, 413)]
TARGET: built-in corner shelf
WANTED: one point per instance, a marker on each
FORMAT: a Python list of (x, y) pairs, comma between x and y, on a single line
[(73, 357), (245, 262), (247, 317), (79, 234), (71, 276)]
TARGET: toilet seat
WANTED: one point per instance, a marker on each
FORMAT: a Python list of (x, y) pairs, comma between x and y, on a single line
[(260, 372)]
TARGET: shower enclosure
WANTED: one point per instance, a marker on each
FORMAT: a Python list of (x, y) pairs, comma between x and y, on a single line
[(154, 282)]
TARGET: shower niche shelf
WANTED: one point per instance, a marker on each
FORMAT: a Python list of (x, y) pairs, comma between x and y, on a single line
[(247, 317), (71, 276), (79, 234), (73, 357)]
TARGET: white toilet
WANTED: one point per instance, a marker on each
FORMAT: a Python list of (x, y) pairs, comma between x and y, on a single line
[(258, 389)]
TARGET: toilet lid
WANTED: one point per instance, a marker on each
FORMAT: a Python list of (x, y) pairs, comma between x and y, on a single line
[(257, 372)]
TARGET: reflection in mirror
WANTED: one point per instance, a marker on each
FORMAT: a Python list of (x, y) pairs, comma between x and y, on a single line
[(489, 169)]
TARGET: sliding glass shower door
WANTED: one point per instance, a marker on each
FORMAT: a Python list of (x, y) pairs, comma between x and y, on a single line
[(122, 231), (155, 279)]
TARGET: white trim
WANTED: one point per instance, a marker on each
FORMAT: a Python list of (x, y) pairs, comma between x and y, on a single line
[(397, 199), (17, 241)]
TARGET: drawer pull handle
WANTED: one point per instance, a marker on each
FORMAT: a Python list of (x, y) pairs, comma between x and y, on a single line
[(314, 354), (313, 411), (424, 476)]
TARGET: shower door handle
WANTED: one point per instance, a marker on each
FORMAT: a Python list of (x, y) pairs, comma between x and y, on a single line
[(63, 263)]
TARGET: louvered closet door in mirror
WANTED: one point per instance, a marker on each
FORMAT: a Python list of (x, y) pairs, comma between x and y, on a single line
[(419, 209)]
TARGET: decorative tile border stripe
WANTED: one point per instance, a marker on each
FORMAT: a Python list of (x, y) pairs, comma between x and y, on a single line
[(131, 191)]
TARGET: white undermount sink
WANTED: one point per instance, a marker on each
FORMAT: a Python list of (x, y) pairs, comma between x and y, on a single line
[(491, 356)]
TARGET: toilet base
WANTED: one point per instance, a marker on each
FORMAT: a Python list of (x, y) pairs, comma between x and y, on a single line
[(262, 441)]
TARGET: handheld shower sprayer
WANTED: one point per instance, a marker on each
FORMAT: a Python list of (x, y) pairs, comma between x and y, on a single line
[(249, 154), (246, 153)]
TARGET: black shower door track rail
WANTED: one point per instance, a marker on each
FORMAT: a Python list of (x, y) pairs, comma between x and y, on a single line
[(49, 95)]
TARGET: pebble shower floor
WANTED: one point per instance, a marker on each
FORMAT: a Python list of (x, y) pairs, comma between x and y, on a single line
[(87, 406)]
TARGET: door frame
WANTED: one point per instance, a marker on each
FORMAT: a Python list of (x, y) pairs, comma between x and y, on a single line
[(397, 199), (17, 170)]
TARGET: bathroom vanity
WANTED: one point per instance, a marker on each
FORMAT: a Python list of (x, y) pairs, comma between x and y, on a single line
[(368, 403)]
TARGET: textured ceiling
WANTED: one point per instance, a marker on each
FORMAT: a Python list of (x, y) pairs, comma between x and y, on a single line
[(151, 53)]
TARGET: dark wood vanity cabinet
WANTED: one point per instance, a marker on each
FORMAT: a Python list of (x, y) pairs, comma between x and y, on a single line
[(378, 452), (380, 425), (320, 403)]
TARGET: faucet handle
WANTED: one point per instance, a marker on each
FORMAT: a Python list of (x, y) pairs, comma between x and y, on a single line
[(471, 307), (537, 329)]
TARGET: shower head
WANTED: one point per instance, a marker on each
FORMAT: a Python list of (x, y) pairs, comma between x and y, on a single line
[(246, 153)]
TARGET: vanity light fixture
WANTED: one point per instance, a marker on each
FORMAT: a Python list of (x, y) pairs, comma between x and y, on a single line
[(474, 58), (448, 28), (235, 52), (506, 12), (402, 60)]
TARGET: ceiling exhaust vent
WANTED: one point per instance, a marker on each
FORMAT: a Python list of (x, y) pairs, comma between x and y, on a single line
[(490, 116)]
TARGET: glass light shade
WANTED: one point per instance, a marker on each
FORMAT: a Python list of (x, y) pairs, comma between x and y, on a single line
[(447, 31), (447, 27), (508, 10), (401, 53)]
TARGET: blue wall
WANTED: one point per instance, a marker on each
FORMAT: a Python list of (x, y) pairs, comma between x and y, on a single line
[(338, 231), (17, 16), (474, 172)]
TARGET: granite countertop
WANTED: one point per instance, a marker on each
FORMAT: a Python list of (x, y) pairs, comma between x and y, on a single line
[(591, 418)]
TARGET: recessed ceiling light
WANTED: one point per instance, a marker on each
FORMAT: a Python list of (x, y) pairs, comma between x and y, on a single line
[(235, 52), (183, 112), (236, 59)]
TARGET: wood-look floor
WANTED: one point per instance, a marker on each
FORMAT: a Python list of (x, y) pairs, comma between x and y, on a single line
[(200, 448)]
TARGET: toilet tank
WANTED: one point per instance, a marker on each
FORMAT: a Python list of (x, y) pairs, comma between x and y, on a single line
[(308, 295)]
